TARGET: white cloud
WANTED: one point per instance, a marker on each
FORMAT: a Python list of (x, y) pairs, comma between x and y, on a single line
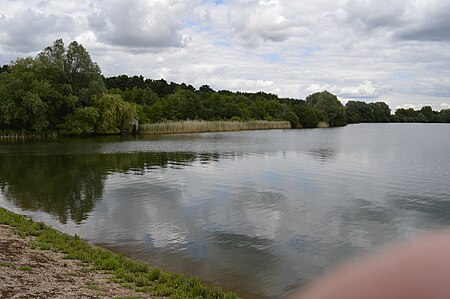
[(358, 49), (445, 106), (408, 106), (258, 21), (363, 90), (376, 13), (25, 30), (139, 24), (313, 88), (242, 84)]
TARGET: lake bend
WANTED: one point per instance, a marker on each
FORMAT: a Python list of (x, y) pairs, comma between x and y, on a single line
[(257, 212)]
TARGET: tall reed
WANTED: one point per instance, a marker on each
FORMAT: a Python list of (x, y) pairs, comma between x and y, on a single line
[(199, 126)]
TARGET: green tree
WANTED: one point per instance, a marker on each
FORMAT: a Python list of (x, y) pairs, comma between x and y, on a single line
[(292, 118), (4, 68), (51, 65), (114, 112), (181, 105), (308, 116), (23, 98), (37, 94), (421, 118), (427, 112), (359, 111), (205, 88), (154, 113), (406, 112), (445, 114), (330, 105), (82, 121), (142, 96), (84, 75), (352, 115), (380, 111)]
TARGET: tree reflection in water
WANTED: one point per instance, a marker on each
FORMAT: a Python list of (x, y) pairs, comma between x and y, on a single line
[(68, 186)]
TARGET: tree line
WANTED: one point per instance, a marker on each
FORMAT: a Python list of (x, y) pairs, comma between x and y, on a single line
[(62, 90)]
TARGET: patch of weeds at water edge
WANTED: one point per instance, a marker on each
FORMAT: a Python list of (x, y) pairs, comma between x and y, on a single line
[(131, 274)]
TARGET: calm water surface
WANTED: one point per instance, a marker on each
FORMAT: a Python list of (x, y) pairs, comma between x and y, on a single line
[(259, 212)]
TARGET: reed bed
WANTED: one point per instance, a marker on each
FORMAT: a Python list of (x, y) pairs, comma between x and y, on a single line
[(199, 126)]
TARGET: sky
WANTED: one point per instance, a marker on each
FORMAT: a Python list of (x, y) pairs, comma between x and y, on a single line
[(368, 50)]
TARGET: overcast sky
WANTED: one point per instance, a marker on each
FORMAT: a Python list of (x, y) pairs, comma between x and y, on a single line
[(394, 51)]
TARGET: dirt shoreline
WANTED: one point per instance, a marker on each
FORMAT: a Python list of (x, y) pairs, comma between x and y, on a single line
[(36, 273)]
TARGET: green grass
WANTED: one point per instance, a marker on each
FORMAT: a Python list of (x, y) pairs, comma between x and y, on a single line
[(25, 268), (5, 264), (198, 126), (129, 273), (93, 286)]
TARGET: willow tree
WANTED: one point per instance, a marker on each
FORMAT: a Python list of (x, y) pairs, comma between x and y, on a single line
[(114, 113)]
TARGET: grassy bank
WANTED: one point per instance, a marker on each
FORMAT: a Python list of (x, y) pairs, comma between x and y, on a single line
[(198, 126), (129, 273)]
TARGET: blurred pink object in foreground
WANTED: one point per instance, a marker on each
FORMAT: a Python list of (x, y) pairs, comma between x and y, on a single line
[(415, 270)]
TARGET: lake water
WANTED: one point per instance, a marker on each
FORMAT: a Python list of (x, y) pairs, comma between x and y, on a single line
[(259, 212)]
